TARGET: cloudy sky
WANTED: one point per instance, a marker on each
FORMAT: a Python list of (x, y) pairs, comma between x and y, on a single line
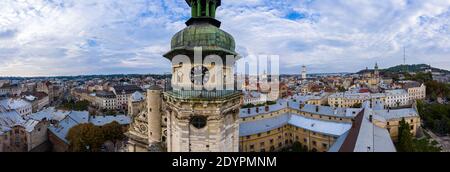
[(73, 37)]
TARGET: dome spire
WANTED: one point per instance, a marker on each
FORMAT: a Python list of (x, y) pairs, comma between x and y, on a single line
[(203, 8), (203, 11)]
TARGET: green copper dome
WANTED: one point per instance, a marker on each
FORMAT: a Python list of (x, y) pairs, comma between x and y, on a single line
[(202, 30), (204, 35)]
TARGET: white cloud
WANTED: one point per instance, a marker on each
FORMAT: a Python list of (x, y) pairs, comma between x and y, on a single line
[(71, 37)]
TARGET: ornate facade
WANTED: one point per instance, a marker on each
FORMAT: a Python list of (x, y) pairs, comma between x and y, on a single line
[(198, 115)]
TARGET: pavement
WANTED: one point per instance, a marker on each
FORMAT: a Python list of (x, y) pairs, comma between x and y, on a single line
[(444, 142)]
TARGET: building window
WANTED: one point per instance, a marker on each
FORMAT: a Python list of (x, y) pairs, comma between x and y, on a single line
[(198, 121), (248, 137), (263, 150), (268, 132), (259, 135), (261, 144), (271, 141), (252, 146), (280, 144), (314, 143), (324, 145)]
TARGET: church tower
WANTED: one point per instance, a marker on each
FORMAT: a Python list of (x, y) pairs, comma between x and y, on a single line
[(202, 109), (303, 72), (376, 71)]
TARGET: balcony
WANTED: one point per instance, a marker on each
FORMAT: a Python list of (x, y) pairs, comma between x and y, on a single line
[(204, 94)]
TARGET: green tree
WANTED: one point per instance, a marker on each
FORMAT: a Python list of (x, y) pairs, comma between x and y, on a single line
[(405, 138), (423, 145), (436, 89), (357, 105), (113, 132), (85, 138), (250, 105), (77, 106), (341, 89), (298, 147)]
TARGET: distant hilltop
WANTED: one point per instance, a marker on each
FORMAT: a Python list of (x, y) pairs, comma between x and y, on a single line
[(410, 68)]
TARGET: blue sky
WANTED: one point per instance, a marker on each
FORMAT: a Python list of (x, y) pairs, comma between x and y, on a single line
[(72, 37)]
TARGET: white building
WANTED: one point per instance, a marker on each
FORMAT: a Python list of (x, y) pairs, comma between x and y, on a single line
[(9, 89), (122, 93), (417, 93), (397, 98), (18, 134), (23, 107), (106, 100)]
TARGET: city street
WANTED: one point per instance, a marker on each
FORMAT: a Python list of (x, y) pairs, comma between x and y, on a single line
[(444, 142)]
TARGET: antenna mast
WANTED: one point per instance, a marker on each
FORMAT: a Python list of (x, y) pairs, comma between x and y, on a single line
[(404, 55)]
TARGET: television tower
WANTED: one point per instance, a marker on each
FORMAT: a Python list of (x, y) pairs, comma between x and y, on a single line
[(404, 55)]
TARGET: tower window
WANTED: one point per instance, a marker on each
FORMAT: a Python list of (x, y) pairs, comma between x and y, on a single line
[(198, 122)]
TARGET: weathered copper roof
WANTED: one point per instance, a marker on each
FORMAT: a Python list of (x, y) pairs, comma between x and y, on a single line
[(205, 35)]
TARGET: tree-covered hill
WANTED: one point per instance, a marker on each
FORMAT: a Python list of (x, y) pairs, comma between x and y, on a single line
[(410, 68)]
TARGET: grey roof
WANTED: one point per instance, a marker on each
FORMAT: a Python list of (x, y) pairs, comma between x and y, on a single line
[(10, 119), (106, 94), (396, 91), (102, 120), (272, 108), (62, 128), (372, 138), (283, 103), (397, 113), (128, 89), (155, 87), (264, 125), (318, 126), (338, 143), (82, 117), (137, 96), (49, 114)]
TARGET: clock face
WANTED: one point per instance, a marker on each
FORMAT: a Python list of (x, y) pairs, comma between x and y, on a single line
[(142, 128), (199, 75)]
